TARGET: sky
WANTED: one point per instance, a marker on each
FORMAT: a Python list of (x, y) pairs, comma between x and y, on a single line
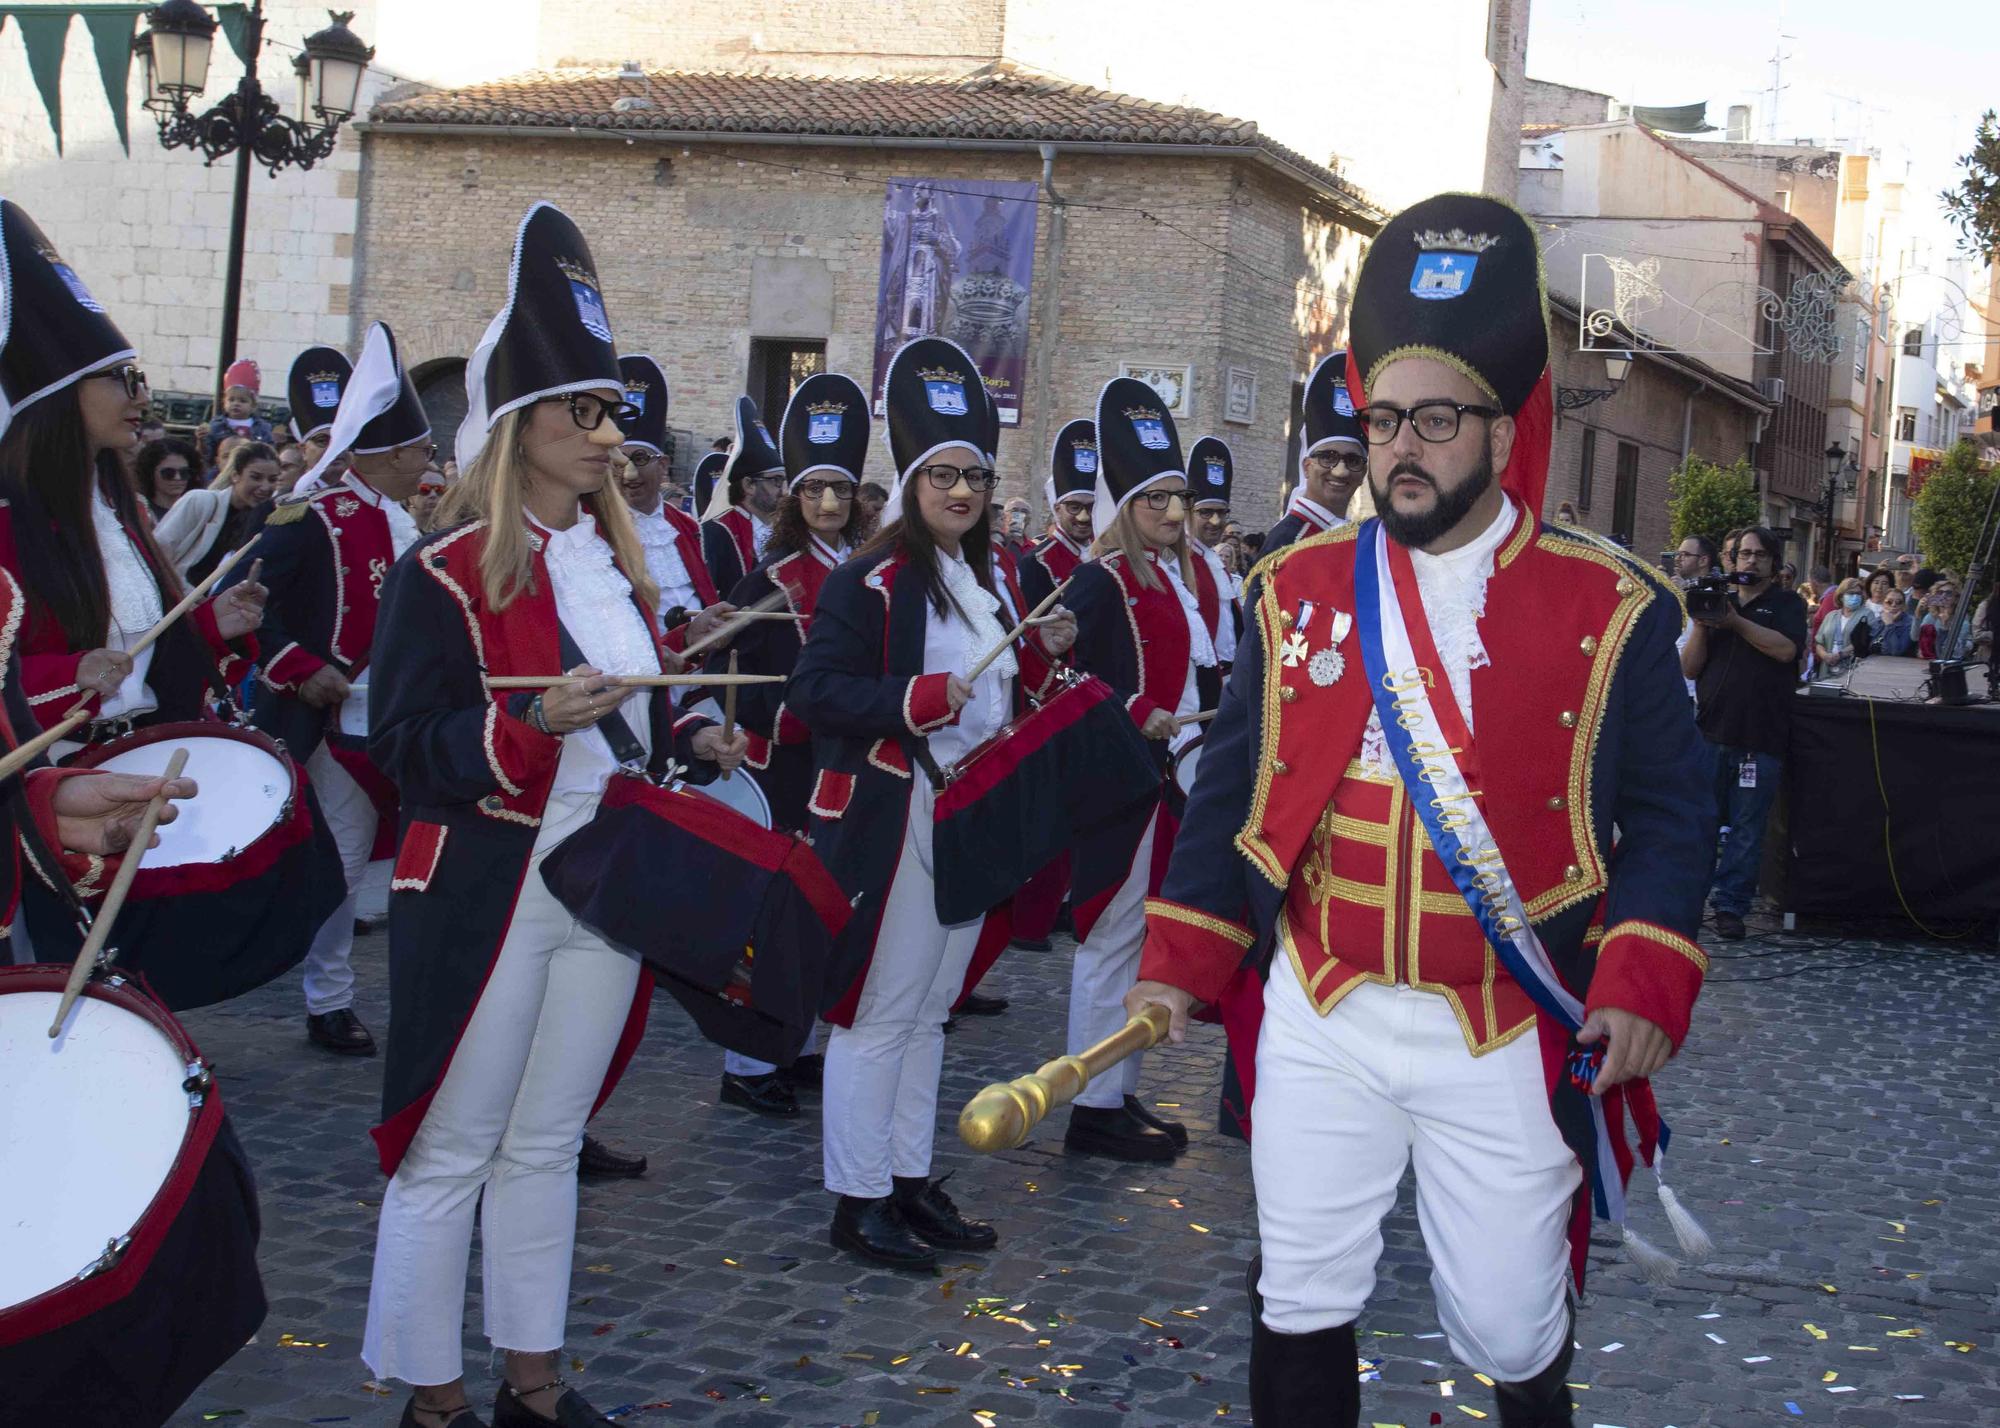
[(1909, 78)]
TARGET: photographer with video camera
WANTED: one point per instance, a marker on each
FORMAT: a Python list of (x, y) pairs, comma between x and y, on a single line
[(1743, 654), (1695, 561)]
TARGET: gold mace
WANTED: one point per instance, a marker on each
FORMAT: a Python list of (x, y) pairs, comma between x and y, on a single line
[(1001, 1116)]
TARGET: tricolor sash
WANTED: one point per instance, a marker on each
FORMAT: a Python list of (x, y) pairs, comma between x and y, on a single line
[(1432, 746)]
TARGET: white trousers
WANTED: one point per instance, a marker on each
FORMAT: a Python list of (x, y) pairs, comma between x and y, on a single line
[(1344, 1102), (1107, 965), (735, 1063), (500, 1142), (351, 818), (879, 1103)]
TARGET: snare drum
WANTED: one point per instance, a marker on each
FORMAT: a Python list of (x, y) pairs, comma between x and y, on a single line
[(1184, 766), (241, 881), (742, 793), (128, 1250)]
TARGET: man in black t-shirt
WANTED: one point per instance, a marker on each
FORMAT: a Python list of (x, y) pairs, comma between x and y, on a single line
[(1745, 666)]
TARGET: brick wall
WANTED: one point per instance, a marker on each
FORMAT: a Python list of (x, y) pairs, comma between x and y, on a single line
[(676, 243), (1647, 413)]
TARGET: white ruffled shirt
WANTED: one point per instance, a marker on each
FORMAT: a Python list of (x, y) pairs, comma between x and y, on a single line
[(953, 645), (1304, 505), (1226, 587), (594, 603), (660, 542), (135, 609), (403, 534), (1453, 589)]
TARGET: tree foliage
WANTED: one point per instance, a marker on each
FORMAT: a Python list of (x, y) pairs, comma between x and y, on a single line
[(1950, 508), (1973, 205), (1709, 500)]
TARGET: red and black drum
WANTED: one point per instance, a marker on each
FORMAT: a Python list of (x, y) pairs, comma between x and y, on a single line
[(741, 929), (241, 879), (1049, 780), (128, 1244)]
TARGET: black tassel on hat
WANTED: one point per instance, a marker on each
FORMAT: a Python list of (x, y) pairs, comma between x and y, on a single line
[(52, 331), (1137, 446), (646, 395), (318, 380), (1211, 472), (825, 429)]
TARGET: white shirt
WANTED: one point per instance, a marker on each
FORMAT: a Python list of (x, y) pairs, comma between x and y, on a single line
[(403, 534), (594, 603), (659, 540), (952, 645), (1313, 511), (1225, 591), (135, 609), (1452, 587)]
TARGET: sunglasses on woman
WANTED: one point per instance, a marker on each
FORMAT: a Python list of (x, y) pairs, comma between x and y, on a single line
[(588, 410), (131, 377)]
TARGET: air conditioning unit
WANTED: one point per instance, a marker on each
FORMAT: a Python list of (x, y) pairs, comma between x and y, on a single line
[(1772, 390)]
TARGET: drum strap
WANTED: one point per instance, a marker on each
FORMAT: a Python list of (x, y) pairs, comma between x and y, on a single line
[(44, 856), (625, 745)]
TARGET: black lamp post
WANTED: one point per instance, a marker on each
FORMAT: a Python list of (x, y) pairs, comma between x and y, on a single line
[(1836, 461), (174, 54), (1617, 367)]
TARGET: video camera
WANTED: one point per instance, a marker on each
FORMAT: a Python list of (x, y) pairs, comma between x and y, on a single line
[(1708, 597)]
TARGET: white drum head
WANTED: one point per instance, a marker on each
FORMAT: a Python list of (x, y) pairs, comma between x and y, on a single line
[(741, 793), (1187, 763), (90, 1126), (243, 793)]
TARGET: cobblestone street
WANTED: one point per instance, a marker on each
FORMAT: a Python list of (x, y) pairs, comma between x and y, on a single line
[(1834, 1131)]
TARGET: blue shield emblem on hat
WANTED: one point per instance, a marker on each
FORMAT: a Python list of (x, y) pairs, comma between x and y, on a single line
[(590, 309), (1342, 402), (1152, 433), (761, 431), (636, 397), (823, 428), (1442, 275), (326, 395), (1086, 460), (946, 396), (75, 285), (1216, 475)]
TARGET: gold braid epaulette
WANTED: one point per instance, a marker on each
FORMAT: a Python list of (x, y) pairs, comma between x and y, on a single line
[(288, 510)]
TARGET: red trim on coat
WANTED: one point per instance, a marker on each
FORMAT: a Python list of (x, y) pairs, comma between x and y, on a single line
[(979, 777), (687, 541), (354, 761), (294, 665)]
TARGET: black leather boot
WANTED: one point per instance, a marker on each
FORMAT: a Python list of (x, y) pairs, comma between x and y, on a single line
[(875, 1229), (1116, 1133), (1542, 1401), (1173, 1130), (598, 1161), (1303, 1380), (932, 1217), (767, 1095)]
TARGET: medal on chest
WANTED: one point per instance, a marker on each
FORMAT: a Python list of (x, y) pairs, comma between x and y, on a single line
[(1327, 664)]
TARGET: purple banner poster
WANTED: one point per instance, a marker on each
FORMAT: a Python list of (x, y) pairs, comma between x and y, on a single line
[(958, 257)]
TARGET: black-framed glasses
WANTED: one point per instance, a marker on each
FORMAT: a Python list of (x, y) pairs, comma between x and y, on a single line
[(640, 460), (1434, 422), (814, 489), (588, 410), (133, 379), (944, 476), (429, 452), (767, 478), (1157, 500), (164, 472), (1352, 461), (1744, 553)]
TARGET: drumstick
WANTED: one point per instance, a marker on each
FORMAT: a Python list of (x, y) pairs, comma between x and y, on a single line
[(1000, 1117), (100, 926), (1202, 718), (79, 712), (1014, 634), (737, 623), (636, 681), (729, 712)]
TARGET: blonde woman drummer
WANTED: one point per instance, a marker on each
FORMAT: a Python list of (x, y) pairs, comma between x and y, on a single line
[(512, 1020)]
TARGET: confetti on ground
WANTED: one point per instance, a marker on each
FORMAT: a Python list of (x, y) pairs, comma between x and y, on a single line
[(1611, 1348), (1842, 1388), (1906, 1333), (1484, 1379), (380, 1389), (597, 1269), (1909, 1398), (1198, 1229), (1829, 1289), (1794, 1409), (286, 1341), (1814, 1330), (1708, 1316), (1152, 1323), (222, 1413), (1828, 1377), (1758, 1359), (1862, 1349), (1475, 1412), (1964, 1348), (985, 1417), (1717, 1339), (1444, 1387)]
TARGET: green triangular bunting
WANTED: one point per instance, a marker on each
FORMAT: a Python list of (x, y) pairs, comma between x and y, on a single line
[(44, 36), (111, 36)]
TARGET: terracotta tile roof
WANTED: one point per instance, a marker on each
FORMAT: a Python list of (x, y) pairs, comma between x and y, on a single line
[(1000, 103)]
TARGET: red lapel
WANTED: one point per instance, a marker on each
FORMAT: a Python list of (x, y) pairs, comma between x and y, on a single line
[(687, 539), (737, 522), (1206, 596), (358, 534)]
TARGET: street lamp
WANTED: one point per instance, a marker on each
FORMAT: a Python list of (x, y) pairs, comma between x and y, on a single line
[(173, 56), (1617, 367), (1836, 460)]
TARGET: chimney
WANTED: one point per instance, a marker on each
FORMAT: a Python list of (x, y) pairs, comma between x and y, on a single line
[(1738, 130)]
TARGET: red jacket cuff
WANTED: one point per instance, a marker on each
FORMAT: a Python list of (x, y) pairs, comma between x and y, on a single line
[(1191, 949), (1649, 971), (293, 666), (49, 681), (88, 873), (925, 707), (676, 639), (1141, 709)]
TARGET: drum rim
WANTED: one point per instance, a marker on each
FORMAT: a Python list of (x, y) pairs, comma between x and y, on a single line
[(95, 754), (958, 766), (79, 1296)]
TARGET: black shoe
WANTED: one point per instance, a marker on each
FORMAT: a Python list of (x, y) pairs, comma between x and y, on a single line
[(464, 1418), (1117, 1134), (1729, 926), (808, 1071), (340, 1031), (1173, 1130), (1033, 944), (600, 1161), (875, 1229), (573, 1410), (1542, 1401), (767, 1095), (972, 1004), (950, 1025), (1303, 1380), (932, 1218)]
